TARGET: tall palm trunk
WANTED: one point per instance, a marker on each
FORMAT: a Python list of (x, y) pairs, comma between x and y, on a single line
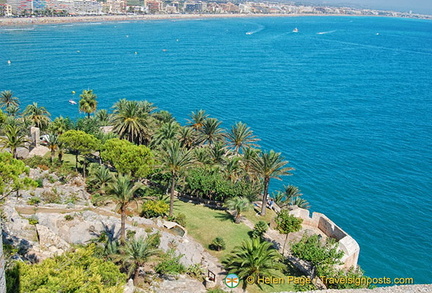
[(285, 242), (171, 211), (52, 156), (123, 225), (264, 198)]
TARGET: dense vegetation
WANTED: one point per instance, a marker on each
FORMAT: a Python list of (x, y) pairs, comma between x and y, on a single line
[(138, 155)]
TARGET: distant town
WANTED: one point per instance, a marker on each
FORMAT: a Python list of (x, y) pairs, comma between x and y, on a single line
[(34, 8)]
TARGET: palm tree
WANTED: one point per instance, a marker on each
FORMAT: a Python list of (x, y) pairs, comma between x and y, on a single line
[(202, 156), (38, 115), (102, 117), (13, 138), (210, 132), (52, 143), (163, 116), (88, 103), (218, 153), (122, 192), (269, 165), (131, 122), (100, 176), (290, 197), (233, 170), (136, 253), (60, 125), (146, 106), (239, 204), (12, 110), (241, 136), (197, 119), (248, 154), (167, 131), (254, 258), (187, 137), (175, 160), (7, 99)]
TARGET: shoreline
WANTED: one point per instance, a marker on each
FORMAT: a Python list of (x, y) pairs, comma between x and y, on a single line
[(27, 21)]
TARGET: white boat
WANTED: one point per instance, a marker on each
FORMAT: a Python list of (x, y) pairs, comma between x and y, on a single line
[(72, 102), (295, 30)]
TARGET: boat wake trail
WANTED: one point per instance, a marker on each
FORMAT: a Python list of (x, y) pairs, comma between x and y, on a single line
[(324, 33), (260, 28)]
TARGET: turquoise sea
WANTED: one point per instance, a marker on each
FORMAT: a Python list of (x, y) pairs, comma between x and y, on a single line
[(347, 100)]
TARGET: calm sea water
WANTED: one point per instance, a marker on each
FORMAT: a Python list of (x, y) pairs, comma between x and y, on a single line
[(347, 100)]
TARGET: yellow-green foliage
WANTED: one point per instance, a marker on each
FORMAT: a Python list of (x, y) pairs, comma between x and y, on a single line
[(156, 208), (77, 272), (128, 158), (10, 175)]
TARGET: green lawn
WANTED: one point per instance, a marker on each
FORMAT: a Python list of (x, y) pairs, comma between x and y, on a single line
[(252, 216), (205, 224)]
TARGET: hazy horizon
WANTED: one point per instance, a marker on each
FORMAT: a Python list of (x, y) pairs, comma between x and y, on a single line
[(418, 6)]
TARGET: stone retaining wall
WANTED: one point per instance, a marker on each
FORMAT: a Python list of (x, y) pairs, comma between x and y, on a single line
[(347, 244)]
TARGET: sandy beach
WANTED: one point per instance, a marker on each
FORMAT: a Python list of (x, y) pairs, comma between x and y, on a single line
[(8, 21)]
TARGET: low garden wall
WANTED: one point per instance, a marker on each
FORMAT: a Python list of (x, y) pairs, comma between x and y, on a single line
[(347, 244)]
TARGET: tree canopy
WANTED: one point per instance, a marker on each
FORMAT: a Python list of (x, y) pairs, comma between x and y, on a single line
[(10, 175), (128, 158), (73, 272)]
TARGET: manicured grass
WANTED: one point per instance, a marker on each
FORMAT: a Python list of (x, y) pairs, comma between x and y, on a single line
[(69, 160), (205, 224), (254, 217)]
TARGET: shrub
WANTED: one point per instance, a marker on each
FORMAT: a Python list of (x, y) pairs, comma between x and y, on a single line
[(180, 219), (154, 239), (260, 228), (218, 244), (77, 271), (170, 264), (33, 220), (51, 196), (130, 234), (152, 209), (322, 255), (68, 217), (196, 271), (39, 182), (216, 290), (34, 200)]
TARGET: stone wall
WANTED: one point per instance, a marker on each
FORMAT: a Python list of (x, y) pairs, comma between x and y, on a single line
[(2, 265), (347, 244)]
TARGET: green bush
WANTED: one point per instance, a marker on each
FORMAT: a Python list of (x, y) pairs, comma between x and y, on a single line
[(196, 271), (51, 196), (77, 271), (218, 244), (154, 239), (170, 264), (34, 200), (260, 228), (322, 255), (130, 234), (68, 217), (216, 290), (33, 220), (39, 182), (152, 209), (181, 219)]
